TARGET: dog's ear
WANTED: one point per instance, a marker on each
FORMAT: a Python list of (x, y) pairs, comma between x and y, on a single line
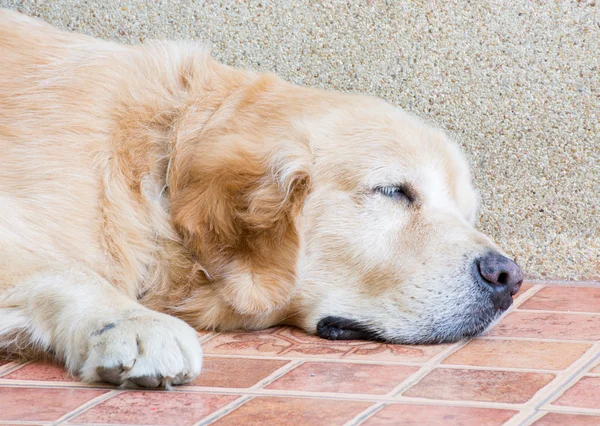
[(236, 188)]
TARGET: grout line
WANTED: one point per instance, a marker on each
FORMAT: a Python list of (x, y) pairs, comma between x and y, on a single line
[(405, 384), (86, 406), (365, 414), (537, 339), (533, 416), (494, 368), (571, 410), (452, 403), (223, 411), (337, 396), (106, 424), (206, 337), (563, 381), (6, 366), (445, 354), (276, 374), (12, 366), (527, 295), (519, 418), (351, 352), (426, 369), (562, 378), (317, 359), (515, 406), (586, 364), (550, 311), (53, 384), (563, 283)]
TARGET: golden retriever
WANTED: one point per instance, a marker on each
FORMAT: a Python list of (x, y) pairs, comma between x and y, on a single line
[(148, 190)]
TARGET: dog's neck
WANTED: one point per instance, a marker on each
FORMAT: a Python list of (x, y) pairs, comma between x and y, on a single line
[(148, 140)]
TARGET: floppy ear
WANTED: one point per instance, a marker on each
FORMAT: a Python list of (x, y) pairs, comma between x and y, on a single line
[(236, 192)]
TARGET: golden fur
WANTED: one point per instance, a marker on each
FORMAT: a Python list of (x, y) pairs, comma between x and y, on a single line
[(145, 179)]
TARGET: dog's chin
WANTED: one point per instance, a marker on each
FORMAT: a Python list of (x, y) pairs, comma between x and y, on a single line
[(455, 332)]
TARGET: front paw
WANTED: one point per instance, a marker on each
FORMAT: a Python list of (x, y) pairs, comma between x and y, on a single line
[(149, 350)]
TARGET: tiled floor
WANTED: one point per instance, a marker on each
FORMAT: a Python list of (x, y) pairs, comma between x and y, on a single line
[(540, 365)]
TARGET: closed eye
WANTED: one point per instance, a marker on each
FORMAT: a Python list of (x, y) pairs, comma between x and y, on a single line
[(397, 192)]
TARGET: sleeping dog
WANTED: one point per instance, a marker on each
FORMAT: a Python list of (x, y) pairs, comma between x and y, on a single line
[(147, 191)]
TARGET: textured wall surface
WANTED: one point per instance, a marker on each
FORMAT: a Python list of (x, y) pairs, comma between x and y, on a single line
[(516, 82)]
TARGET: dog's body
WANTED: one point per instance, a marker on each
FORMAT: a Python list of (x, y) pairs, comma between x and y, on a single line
[(147, 179)]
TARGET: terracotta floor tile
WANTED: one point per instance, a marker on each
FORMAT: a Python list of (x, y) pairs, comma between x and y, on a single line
[(549, 326), (292, 342), (518, 354), (396, 353), (558, 419), (342, 377), (275, 411), (479, 385), (585, 393), (418, 415), (235, 372), (576, 299), (33, 404), (256, 343), (41, 371), (307, 346), (154, 408)]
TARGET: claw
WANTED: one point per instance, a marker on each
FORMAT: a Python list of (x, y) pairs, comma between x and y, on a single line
[(181, 379), (146, 381), (111, 375)]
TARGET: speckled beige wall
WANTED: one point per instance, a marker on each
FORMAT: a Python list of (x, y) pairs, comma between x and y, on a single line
[(516, 82)]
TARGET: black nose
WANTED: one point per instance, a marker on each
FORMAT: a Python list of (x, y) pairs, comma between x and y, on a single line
[(502, 275)]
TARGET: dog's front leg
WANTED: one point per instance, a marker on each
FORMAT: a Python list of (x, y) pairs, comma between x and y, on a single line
[(97, 331)]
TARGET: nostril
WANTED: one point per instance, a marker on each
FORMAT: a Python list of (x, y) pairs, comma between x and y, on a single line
[(490, 272), (503, 278)]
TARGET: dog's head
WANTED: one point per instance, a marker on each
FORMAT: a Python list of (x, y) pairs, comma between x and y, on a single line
[(340, 213)]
